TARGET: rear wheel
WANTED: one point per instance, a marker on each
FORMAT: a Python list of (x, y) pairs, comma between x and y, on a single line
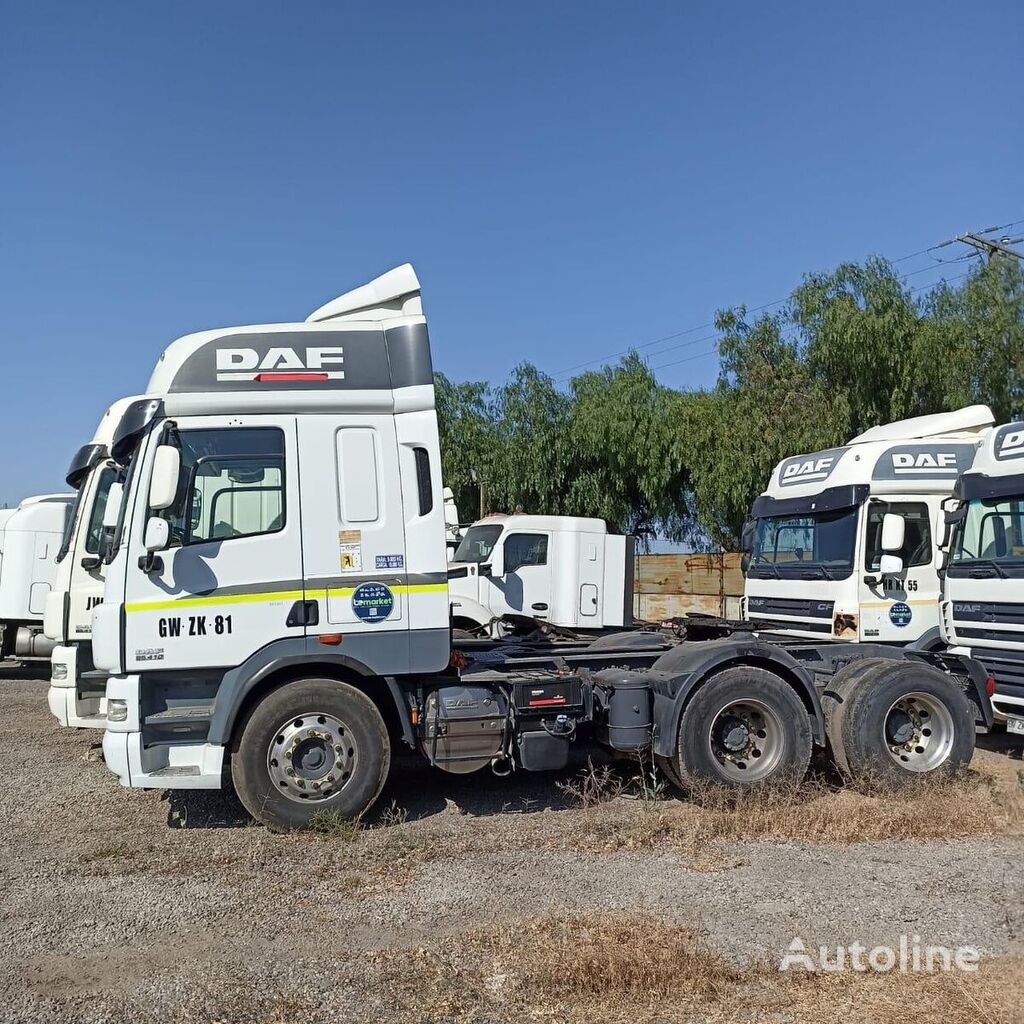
[(741, 727), (311, 746), (835, 700), (905, 720)]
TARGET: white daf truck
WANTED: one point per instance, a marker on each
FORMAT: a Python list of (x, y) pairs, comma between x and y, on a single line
[(30, 536), (77, 694), (843, 542), (983, 602), (565, 570), (292, 629)]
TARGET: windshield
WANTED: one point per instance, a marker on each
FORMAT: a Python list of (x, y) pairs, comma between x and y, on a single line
[(805, 543), (990, 538), (478, 544), (69, 524)]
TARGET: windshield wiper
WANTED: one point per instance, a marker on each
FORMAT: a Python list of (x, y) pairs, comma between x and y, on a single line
[(826, 573), (991, 563), (768, 565)]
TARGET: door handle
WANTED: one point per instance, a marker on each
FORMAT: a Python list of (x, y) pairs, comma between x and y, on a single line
[(539, 606), (303, 613)]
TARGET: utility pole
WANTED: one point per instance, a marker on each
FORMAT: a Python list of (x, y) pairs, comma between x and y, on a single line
[(991, 247)]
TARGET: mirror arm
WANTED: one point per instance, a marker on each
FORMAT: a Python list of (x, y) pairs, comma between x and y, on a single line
[(151, 562)]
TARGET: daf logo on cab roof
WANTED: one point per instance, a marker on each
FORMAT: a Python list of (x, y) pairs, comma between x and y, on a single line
[(921, 460), (807, 469), (924, 462), (1009, 442), (318, 362)]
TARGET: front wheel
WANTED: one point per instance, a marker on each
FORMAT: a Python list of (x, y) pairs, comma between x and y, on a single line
[(311, 746), (743, 726)]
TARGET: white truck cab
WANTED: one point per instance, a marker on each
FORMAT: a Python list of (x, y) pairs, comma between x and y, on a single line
[(566, 570), (283, 506), (77, 691), (843, 541), (983, 606), (30, 537)]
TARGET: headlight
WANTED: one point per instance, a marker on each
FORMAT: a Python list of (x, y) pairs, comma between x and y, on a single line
[(117, 710), (58, 671)]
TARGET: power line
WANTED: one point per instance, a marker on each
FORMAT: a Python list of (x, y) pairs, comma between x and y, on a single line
[(791, 336), (568, 371), (710, 337)]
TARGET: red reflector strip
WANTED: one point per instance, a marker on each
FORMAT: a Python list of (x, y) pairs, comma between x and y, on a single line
[(268, 377), (546, 700), (990, 686)]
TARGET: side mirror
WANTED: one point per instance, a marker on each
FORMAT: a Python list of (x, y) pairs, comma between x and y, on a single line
[(485, 569), (745, 563), (894, 530), (112, 509), (890, 565), (163, 483), (158, 534)]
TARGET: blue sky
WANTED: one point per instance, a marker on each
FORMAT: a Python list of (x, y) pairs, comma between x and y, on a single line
[(568, 179)]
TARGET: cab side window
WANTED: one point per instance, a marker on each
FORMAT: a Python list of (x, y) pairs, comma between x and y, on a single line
[(917, 538), (525, 549), (232, 485), (94, 534)]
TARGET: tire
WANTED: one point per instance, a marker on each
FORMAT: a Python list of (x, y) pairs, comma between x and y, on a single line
[(905, 720), (302, 734), (834, 701), (718, 742), (666, 765)]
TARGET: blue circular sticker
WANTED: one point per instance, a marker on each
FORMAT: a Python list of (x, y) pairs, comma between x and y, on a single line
[(373, 602), (900, 614)]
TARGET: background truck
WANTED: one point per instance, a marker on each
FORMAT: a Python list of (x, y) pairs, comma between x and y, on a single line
[(565, 570), (843, 542), (77, 693), (983, 566), (293, 651), (30, 537)]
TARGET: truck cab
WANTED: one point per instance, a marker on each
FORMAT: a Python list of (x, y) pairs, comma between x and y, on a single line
[(76, 695), (283, 507), (30, 538), (843, 541), (566, 570), (983, 606)]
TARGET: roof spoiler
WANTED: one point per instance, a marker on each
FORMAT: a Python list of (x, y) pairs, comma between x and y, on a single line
[(394, 294), (971, 420)]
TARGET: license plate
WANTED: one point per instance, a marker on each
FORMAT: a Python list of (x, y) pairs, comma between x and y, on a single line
[(1015, 725)]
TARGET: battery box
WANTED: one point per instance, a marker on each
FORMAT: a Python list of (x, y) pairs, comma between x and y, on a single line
[(548, 696)]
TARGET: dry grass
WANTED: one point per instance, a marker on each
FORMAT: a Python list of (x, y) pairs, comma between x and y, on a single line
[(973, 805), (634, 967)]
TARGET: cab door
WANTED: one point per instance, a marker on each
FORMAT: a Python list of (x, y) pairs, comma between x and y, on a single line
[(231, 580), (524, 586), (898, 609)]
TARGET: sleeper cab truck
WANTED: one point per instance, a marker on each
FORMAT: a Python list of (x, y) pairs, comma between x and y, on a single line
[(983, 602), (30, 537), (292, 629), (565, 570), (843, 543), (77, 693)]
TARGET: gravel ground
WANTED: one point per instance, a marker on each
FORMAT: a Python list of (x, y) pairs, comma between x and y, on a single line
[(122, 905)]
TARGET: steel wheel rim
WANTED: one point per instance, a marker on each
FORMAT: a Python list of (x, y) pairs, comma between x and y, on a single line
[(918, 732), (311, 757), (747, 740)]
